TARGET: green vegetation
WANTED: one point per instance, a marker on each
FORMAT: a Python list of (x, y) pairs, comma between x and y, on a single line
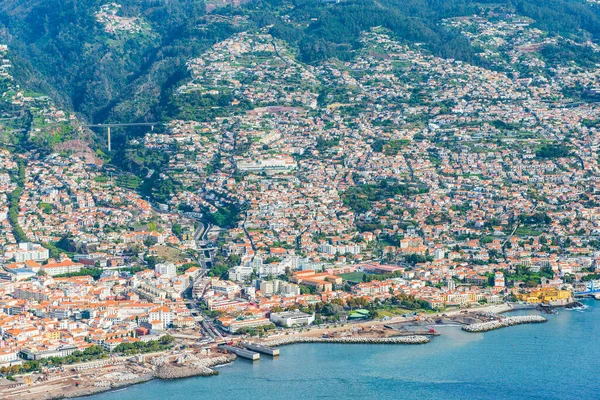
[(182, 268), (225, 217), (354, 277), (526, 231), (565, 51), (256, 331), (552, 151), (89, 354), (222, 265), (590, 277), (130, 348), (389, 147), (417, 258), (525, 275), (408, 302), (73, 65), (324, 144), (91, 69), (535, 219), (128, 181), (93, 272), (360, 198), (45, 207), (65, 245), (13, 203)]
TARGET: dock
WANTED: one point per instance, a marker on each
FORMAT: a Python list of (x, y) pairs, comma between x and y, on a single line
[(270, 351), (250, 355)]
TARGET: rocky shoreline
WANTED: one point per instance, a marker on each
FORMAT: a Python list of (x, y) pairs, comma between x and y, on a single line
[(197, 368), (92, 390), (203, 367), (503, 323), (348, 340)]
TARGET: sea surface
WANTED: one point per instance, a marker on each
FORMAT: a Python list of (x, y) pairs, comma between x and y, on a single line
[(559, 359)]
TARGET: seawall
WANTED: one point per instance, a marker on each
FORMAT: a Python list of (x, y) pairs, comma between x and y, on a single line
[(503, 323), (348, 340), (197, 368)]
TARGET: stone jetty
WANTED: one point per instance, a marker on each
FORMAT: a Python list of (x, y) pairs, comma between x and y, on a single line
[(201, 367), (282, 341), (503, 323)]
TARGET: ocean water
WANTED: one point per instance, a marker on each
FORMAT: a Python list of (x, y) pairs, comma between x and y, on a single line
[(556, 360)]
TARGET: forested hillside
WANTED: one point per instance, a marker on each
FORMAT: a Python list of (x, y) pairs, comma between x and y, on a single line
[(64, 48)]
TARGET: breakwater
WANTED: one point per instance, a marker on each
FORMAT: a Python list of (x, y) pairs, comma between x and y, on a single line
[(503, 323), (357, 371), (202, 367), (416, 339)]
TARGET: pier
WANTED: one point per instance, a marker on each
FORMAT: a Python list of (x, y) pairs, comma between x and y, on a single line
[(250, 355), (270, 351)]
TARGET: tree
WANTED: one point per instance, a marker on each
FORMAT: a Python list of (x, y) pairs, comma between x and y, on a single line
[(177, 230)]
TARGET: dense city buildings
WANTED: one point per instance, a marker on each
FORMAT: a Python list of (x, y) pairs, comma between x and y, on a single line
[(280, 194)]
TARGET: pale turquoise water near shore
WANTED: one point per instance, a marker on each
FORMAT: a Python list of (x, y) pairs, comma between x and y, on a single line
[(556, 360)]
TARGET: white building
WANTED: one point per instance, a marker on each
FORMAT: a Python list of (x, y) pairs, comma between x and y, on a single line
[(31, 251), (227, 288), (280, 287), (166, 269), (341, 249), (280, 163), (274, 269), (499, 279), (292, 318), (9, 356), (161, 316), (240, 273)]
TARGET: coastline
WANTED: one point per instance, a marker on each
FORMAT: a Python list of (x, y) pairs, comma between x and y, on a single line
[(416, 339), (297, 363), (504, 323), (320, 331), (99, 389), (204, 367)]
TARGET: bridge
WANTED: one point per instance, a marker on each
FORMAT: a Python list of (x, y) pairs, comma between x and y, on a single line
[(121, 125)]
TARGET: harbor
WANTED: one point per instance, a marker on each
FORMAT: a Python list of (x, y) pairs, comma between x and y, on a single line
[(491, 367), (201, 360)]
